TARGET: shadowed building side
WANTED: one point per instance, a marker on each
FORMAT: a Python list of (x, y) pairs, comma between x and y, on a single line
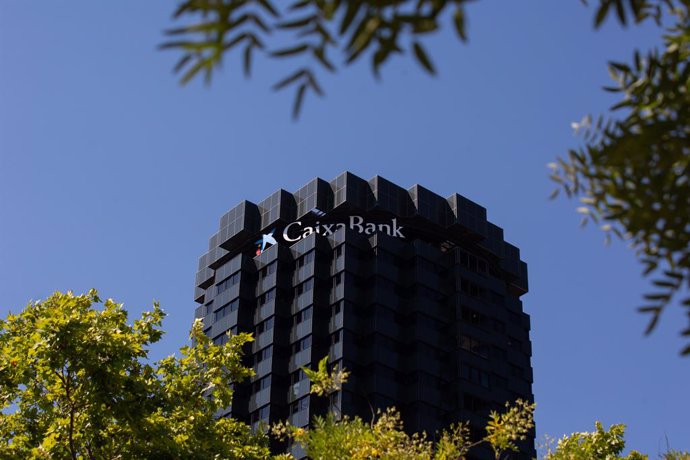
[(417, 295)]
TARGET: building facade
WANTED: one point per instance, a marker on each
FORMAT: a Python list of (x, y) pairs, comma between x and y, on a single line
[(417, 295)]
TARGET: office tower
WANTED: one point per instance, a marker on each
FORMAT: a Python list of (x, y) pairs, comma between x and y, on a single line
[(417, 295)]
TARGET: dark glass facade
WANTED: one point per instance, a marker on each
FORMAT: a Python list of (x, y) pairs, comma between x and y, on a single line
[(417, 295)]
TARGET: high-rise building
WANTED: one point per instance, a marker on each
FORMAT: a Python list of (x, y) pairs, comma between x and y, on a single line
[(417, 295)]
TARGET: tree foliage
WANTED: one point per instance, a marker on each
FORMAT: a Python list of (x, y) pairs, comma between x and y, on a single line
[(75, 383), (323, 382), (597, 445), (633, 172), (673, 454), (353, 438), (341, 437), (317, 35), (505, 429)]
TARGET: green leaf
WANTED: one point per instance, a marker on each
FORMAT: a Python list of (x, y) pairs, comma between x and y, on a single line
[(601, 13), (459, 22), (268, 6), (247, 63), (362, 37), (297, 23), (351, 11), (299, 99), (290, 79), (287, 52), (659, 296), (620, 11), (665, 284), (423, 59), (320, 55)]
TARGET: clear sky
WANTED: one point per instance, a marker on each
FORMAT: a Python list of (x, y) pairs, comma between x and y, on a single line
[(113, 176)]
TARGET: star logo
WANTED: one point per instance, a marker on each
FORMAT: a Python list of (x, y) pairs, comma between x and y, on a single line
[(267, 240)]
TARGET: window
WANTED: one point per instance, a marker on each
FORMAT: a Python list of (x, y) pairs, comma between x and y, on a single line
[(267, 296), (261, 384), (261, 414), (472, 289), (335, 399), (227, 283), (302, 316), (474, 375), (305, 259), (221, 339), (222, 313), (207, 308), (301, 345), (336, 337), (473, 345), (297, 376), (473, 263), (474, 403), (264, 326), (305, 287), (337, 280), (472, 317), (337, 308), (299, 405), (263, 354), (269, 269), (226, 309)]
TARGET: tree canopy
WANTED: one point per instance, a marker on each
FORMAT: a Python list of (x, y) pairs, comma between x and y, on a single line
[(75, 383), (338, 436), (600, 444)]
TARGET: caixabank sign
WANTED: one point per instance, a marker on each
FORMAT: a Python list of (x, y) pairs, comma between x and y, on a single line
[(299, 229)]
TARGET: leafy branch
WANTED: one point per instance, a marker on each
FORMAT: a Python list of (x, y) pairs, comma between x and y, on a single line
[(317, 35), (385, 437), (633, 173)]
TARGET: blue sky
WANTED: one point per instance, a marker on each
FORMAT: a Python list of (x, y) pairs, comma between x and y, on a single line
[(113, 176)]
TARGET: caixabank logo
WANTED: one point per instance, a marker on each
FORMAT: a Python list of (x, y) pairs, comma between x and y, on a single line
[(267, 240), (297, 230)]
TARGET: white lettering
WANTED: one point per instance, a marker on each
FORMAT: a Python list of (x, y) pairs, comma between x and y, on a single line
[(285, 232), (356, 221), (397, 231)]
